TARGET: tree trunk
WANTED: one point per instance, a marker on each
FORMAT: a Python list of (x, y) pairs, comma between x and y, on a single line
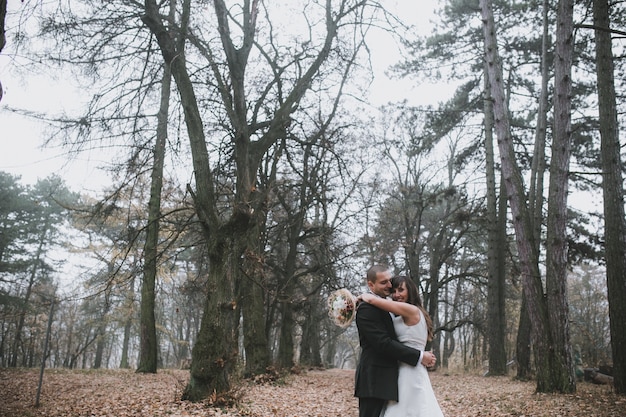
[(215, 352), (3, 39), (450, 339), (523, 342), (535, 199), (310, 346), (538, 167), (560, 377), (255, 340), (496, 313), (148, 347), (128, 310), (69, 338), (513, 180), (431, 303), (613, 193), (285, 344), (100, 345)]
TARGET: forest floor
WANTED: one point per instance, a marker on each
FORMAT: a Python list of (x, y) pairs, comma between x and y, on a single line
[(314, 393)]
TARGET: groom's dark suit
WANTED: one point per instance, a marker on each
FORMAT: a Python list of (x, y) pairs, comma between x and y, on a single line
[(377, 371)]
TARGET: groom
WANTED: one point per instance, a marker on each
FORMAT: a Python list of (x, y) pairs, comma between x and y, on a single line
[(377, 371)]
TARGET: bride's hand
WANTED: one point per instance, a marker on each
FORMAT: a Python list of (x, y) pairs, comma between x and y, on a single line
[(367, 297)]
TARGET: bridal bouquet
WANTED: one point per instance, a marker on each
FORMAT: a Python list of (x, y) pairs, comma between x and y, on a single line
[(342, 307)]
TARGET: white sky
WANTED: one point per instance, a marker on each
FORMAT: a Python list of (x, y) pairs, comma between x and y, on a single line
[(21, 137)]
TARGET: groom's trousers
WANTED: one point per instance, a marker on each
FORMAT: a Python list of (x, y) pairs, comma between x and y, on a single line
[(371, 407)]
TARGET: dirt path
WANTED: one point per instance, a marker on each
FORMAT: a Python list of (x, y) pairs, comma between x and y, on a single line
[(316, 393)]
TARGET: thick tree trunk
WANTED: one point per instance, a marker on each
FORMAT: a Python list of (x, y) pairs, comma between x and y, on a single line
[(215, 353), (310, 347), (613, 193), (255, 340), (100, 344), (285, 344), (561, 377)]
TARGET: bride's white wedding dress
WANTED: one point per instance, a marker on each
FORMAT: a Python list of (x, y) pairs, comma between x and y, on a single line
[(415, 393)]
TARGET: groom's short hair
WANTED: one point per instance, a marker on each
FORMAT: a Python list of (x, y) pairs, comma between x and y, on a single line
[(375, 270)]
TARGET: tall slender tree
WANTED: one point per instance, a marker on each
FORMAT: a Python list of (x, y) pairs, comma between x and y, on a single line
[(496, 244), (551, 366), (148, 350), (535, 194), (613, 191), (561, 376)]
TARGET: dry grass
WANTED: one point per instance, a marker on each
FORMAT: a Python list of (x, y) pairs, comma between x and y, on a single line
[(315, 393)]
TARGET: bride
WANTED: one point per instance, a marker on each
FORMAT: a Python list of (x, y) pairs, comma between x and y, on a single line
[(414, 328)]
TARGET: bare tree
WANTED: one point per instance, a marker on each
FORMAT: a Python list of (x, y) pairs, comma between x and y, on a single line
[(252, 130), (148, 353)]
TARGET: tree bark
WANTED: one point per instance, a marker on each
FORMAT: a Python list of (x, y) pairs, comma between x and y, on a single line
[(560, 377), (523, 346), (513, 180), (148, 345), (255, 340), (613, 193), (496, 312), (538, 166), (285, 344), (310, 347), (128, 322), (3, 15), (535, 198)]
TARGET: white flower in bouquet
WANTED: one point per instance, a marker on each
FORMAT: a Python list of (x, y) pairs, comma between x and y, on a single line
[(342, 307)]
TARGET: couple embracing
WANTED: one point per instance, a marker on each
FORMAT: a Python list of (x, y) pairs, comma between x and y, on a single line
[(391, 377)]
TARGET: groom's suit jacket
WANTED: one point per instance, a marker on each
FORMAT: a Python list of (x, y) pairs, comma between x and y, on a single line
[(377, 371)]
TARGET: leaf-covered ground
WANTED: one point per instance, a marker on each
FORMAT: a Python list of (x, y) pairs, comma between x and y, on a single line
[(315, 393)]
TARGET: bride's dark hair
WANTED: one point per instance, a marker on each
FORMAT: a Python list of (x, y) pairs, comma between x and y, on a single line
[(414, 298)]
